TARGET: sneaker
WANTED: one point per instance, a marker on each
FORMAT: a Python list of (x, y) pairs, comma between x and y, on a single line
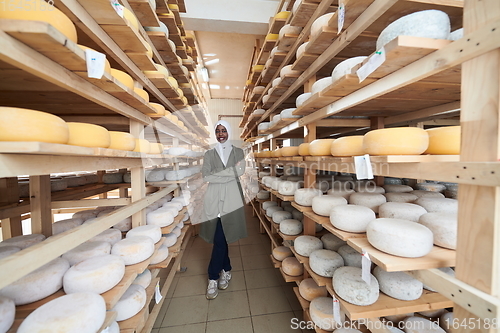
[(224, 279), (212, 291)]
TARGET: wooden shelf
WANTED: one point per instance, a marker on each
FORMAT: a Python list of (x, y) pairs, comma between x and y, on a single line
[(303, 14), (286, 42), (276, 24), (144, 13), (177, 246)]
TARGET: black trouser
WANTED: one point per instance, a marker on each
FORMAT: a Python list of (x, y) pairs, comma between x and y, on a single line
[(220, 254)]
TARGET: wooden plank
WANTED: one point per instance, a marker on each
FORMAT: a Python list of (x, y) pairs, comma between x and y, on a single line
[(9, 195), (144, 13), (345, 86), (304, 61), (102, 12), (177, 220), (438, 257), (126, 38), (303, 14), (276, 24), (286, 42), (160, 42), (142, 60), (41, 216)]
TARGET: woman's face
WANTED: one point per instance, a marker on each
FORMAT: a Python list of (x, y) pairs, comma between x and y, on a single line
[(221, 134)]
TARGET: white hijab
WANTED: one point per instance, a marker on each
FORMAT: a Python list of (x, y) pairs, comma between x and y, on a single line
[(224, 149)]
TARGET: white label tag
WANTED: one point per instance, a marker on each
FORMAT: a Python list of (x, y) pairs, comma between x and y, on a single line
[(96, 62), (158, 295), (366, 265), (374, 62), (341, 16), (363, 167), (336, 311), (117, 6)]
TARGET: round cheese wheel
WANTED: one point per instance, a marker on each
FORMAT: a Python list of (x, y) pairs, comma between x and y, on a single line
[(399, 317), (134, 249), (345, 67), (446, 321), (349, 286), (320, 147), (321, 84), (457, 34), (351, 218), (398, 285), (351, 256), (64, 225), (282, 252), (263, 195), (74, 313), (287, 70), (160, 255), (267, 204), (309, 290), (340, 190), (170, 239), (421, 325), (18, 124), (323, 205), (291, 266), (301, 99), (319, 23), (160, 109), (432, 313), (370, 200), (281, 215), (347, 146), (177, 231), (162, 28), (321, 312), (397, 188), (290, 151), (38, 284), (88, 135), (400, 237), (23, 241), (110, 236), (132, 301), (272, 209), (434, 205), (142, 93), (332, 242), (7, 250), (288, 187), (276, 82), (121, 141), (288, 113), (143, 279), (155, 175), (305, 245), (304, 196), (427, 23), (7, 313), (427, 194), (325, 262), (297, 215), (124, 225), (272, 36), (275, 184), (367, 186), (304, 149), (97, 274), (396, 141), (142, 146), (155, 148), (282, 15), (112, 178), (263, 126), (86, 251), (291, 227), (151, 231), (85, 214), (113, 328), (444, 227), (400, 197), (432, 187), (123, 78), (401, 210)]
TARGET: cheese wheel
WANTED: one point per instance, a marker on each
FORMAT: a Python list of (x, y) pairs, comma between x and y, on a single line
[(39, 10), (320, 147), (18, 124), (155, 175), (173, 81), (321, 85), (397, 188), (433, 205), (74, 313), (444, 227), (401, 210), (291, 266), (272, 209), (399, 317), (289, 151), (112, 178), (340, 189), (351, 256), (160, 109), (301, 99), (351, 218), (400, 197), (267, 204), (347, 146), (142, 146), (85, 214), (432, 187), (446, 321), (161, 217), (398, 285), (400, 237), (368, 186), (332, 242), (396, 141), (276, 82), (110, 236), (287, 70), (86, 251), (370, 200), (143, 279), (151, 231), (162, 28), (124, 225), (123, 78), (130, 17), (304, 149), (132, 301), (160, 255), (74, 181), (282, 252), (322, 205), (65, 225), (280, 216), (7, 250), (325, 262), (288, 113), (7, 313), (121, 141), (309, 290), (23, 241), (421, 325), (282, 15), (142, 93), (170, 239), (288, 187), (297, 215), (432, 313), (305, 245), (304, 196), (177, 231), (88, 135), (97, 274), (134, 249), (113, 328), (345, 67), (319, 23), (291, 227), (349, 286), (174, 7), (427, 194), (272, 36), (38, 284), (321, 312)]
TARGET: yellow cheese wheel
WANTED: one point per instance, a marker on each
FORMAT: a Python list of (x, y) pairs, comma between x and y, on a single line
[(272, 36), (173, 6), (258, 68), (396, 141), (444, 140), (173, 82), (143, 93), (163, 70), (180, 92), (348, 146), (39, 10), (266, 153), (160, 109), (18, 124), (121, 141), (275, 153), (107, 66), (142, 146), (184, 100), (289, 151), (282, 15), (321, 147), (88, 135), (149, 50), (123, 77), (155, 148), (304, 149), (185, 85), (130, 17)]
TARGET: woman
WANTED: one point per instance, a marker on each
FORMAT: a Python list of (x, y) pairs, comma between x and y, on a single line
[(223, 206)]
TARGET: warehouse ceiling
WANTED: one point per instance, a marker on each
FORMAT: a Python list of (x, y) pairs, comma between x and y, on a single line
[(226, 31)]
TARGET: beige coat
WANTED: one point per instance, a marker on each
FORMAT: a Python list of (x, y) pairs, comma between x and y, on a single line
[(223, 196)]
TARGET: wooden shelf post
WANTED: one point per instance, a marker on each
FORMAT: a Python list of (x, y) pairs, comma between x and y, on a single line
[(138, 178), (9, 194), (40, 197)]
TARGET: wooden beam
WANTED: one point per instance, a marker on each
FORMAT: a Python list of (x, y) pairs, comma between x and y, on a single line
[(90, 203), (138, 179), (343, 123), (445, 110), (9, 194), (41, 215)]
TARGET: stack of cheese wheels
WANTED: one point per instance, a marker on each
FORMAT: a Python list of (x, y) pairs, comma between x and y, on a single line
[(121, 141), (332, 242), (304, 196), (18, 124), (132, 301), (282, 252), (351, 218), (305, 245), (325, 262), (88, 135), (86, 251), (349, 286), (7, 313), (98, 274), (309, 290), (400, 237), (347, 146), (398, 285), (74, 313), (291, 266), (321, 311), (444, 141), (134, 249), (401, 210), (396, 141), (322, 205), (444, 227), (320, 147)]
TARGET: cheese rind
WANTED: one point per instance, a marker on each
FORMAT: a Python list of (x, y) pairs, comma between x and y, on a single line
[(323, 205), (304, 196), (309, 290), (332, 242), (291, 266), (370, 200), (88, 135), (7, 313), (86, 251), (291, 227), (305, 245), (396, 141), (121, 141), (351, 218), (325, 262), (444, 140), (347, 146), (398, 285), (321, 311), (134, 249), (401, 210), (132, 301), (444, 227), (349, 286), (282, 252)]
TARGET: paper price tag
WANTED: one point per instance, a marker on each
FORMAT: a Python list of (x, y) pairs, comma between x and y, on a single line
[(374, 62), (363, 167), (96, 62), (158, 295), (366, 265), (117, 6), (341, 16), (336, 311)]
